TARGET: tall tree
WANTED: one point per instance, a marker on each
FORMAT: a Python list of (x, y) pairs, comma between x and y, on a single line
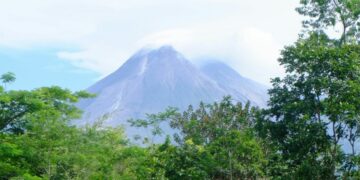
[(7, 78), (316, 105)]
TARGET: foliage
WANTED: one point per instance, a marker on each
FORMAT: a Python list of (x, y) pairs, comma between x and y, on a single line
[(18, 107), (325, 14), (315, 108), (8, 77), (189, 161), (216, 140), (37, 142)]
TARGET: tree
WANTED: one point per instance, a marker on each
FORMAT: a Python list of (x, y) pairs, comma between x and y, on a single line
[(324, 14), (16, 107), (222, 133), (189, 161), (237, 155), (316, 105), (7, 78), (52, 149)]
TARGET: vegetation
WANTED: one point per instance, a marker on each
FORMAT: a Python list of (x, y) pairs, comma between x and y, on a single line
[(216, 141), (310, 129)]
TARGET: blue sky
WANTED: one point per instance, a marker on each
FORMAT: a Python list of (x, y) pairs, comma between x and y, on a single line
[(72, 43), (41, 67)]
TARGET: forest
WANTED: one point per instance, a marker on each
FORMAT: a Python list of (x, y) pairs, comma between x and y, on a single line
[(310, 129)]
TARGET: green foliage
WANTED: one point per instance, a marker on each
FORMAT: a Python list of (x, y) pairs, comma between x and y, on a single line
[(316, 105), (215, 141), (53, 150), (18, 107), (238, 155), (323, 14), (140, 163), (37, 142), (8, 77), (189, 161), (154, 121), (209, 122)]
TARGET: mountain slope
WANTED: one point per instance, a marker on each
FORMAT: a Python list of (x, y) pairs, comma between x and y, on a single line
[(240, 88), (149, 82), (152, 80)]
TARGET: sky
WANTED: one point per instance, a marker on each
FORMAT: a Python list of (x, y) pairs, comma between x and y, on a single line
[(74, 43)]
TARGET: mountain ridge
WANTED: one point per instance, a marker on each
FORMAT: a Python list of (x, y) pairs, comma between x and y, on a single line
[(153, 79)]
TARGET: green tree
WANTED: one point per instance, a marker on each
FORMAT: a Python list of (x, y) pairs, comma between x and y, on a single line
[(37, 140), (222, 133), (7, 78), (327, 14), (316, 105), (17, 107), (189, 161), (238, 155)]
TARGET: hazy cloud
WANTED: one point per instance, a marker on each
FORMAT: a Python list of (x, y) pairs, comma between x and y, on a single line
[(246, 34)]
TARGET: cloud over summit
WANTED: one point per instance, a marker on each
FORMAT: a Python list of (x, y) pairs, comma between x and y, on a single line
[(246, 34)]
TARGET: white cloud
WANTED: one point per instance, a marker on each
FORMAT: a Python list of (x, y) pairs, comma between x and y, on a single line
[(100, 59), (251, 51), (247, 34), (256, 55)]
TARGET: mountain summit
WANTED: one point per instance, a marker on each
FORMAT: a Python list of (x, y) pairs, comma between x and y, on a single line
[(152, 80)]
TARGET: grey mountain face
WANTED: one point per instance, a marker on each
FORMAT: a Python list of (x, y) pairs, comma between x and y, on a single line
[(240, 88), (152, 80)]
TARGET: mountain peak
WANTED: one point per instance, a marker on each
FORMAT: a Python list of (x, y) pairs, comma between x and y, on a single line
[(165, 52), (166, 48), (156, 78)]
